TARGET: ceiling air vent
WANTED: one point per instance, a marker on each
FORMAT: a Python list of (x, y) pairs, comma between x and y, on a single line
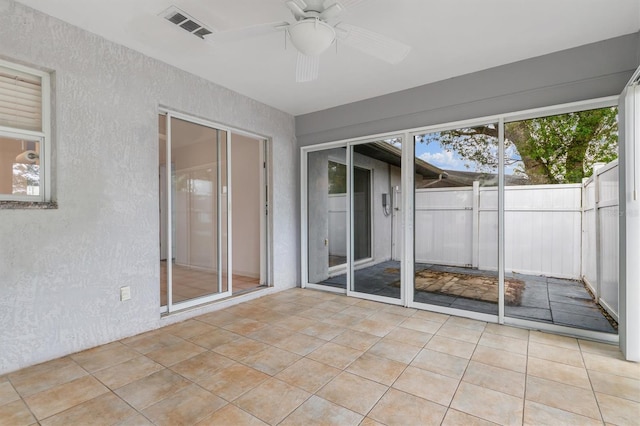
[(185, 21)]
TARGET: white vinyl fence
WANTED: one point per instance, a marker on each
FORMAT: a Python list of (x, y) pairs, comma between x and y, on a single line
[(338, 225), (563, 231), (600, 236), (459, 226)]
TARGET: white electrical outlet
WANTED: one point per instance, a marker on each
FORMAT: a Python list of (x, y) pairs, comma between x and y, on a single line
[(125, 293)]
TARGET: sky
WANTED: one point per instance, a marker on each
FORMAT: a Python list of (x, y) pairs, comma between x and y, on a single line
[(433, 153)]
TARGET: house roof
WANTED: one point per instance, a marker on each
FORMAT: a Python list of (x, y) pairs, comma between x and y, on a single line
[(390, 154), (432, 176), (457, 178)]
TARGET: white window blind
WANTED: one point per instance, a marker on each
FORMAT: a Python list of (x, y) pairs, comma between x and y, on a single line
[(20, 100)]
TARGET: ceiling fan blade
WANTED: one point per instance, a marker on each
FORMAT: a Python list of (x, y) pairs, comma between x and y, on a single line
[(246, 32), (351, 4), (372, 43), (296, 7), (332, 11), (307, 68)]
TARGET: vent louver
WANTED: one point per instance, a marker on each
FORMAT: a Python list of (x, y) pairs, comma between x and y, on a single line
[(185, 21)]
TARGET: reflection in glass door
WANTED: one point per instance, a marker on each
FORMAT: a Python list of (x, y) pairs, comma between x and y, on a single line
[(327, 217), (193, 207), (337, 213), (375, 170), (456, 219), (361, 213), (351, 219)]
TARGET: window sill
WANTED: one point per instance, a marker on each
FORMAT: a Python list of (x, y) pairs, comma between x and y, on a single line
[(28, 205)]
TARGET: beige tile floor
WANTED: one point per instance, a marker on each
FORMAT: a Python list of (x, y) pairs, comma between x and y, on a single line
[(303, 357)]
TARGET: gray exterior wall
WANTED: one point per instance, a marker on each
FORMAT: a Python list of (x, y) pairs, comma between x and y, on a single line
[(586, 72), (61, 270), (381, 224)]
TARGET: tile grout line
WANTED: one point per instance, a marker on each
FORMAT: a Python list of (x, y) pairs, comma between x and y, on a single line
[(311, 395), (593, 391), (23, 400), (113, 390), (462, 376), (228, 402), (344, 370), (579, 350), (389, 387), (526, 376), (405, 369), (44, 390), (168, 368)]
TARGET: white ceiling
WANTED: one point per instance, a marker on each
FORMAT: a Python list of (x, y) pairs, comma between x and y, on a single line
[(448, 38)]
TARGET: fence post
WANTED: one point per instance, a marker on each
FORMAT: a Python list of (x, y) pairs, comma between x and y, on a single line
[(583, 226), (475, 231), (596, 212)]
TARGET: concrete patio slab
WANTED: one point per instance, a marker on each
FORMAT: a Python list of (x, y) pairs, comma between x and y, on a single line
[(544, 299)]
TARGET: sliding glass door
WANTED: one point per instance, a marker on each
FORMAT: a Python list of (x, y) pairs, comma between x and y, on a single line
[(194, 213), (326, 218), (456, 218), (375, 170), (561, 219), (352, 219), (511, 219)]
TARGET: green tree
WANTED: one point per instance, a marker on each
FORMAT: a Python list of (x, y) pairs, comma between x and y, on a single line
[(555, 149)]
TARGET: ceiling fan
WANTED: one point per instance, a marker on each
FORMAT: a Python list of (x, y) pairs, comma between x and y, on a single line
[(315, 29)]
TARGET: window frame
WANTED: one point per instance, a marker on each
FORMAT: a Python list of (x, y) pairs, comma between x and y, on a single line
[(43, 137)]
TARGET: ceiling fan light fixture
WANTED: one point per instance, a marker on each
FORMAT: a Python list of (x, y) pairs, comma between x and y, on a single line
[(311, 36)]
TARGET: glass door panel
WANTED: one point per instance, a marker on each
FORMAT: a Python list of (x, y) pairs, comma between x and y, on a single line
[(337, 215), (456, 219), (196, 199), (193, 212), (561, 219), (361, 214), (327, 217), (375, 170)]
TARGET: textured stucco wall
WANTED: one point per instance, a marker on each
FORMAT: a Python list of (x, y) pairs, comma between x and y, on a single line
[(61, 270)]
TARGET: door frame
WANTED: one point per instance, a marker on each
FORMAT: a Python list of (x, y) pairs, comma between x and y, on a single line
[(351, 263), (264, 215), (265, 242), (304, 220)]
